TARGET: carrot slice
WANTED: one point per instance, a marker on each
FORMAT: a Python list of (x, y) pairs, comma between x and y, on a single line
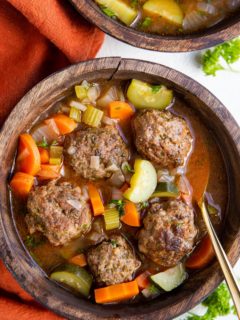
[(79, 260), (96, 201), (22, 183), (65, 124), (28, 160), (131, 215), (202, 255), (44, 155), (117, 292), (49, 171), (120, 110), (143, 280)]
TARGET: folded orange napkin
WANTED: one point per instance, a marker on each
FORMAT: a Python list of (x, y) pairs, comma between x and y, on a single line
[(38, 37)]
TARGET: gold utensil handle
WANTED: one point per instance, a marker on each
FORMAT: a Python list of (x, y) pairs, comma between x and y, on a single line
[(223, 260)]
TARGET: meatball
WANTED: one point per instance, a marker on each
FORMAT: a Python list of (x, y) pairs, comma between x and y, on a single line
[(104, 143), (59, 211), (162, 137), (113, 261), (168, 233)]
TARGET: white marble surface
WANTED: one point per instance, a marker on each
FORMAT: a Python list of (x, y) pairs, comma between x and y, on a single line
[(225, 86)]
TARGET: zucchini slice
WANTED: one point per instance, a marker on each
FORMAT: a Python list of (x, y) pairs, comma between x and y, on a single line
[(166, 190), (74, 277), (171, 278), (144, 95)]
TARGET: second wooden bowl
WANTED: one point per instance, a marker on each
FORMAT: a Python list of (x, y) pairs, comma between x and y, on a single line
[(225, 30)]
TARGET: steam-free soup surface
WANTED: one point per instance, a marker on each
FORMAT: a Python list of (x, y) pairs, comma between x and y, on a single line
[(114, 202)]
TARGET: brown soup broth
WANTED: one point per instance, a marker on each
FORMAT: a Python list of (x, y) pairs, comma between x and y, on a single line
[(49, 256)]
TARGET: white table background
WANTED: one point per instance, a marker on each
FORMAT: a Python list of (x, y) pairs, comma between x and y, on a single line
[(225, 86)]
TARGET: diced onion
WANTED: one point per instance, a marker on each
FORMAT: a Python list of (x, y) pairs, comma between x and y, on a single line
[(194, 21), (117, 179), (163, 175), (112, 94), (108, 121), (77, 105), (178, 171), (93, 93), (46, 131), (95, 162), (206, 8), (75, 204), (112, 168)]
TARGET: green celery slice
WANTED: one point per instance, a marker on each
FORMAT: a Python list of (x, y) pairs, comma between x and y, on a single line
[(111, 219), (92, 116)]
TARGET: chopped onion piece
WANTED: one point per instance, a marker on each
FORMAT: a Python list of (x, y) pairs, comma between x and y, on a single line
[(46, 131), (112, 94), (95, 162), (75, 204), (117, 179), (178, 171), (194, 21), (113, 168), (93, 93), (163, 175), (77, 105), (108, 121), (206, 8), (85, 84)]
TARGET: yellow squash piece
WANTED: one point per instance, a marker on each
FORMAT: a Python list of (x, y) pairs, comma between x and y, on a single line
[(168, 9), (143, 182), (144, 95), (121, 9)]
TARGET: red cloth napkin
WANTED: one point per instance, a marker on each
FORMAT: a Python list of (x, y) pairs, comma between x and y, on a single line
[(38, 37)]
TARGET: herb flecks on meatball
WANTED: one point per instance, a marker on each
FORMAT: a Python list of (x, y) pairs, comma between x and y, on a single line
[(59, 211), (162, 137), (168, 233), (113, 261), (104, 146)]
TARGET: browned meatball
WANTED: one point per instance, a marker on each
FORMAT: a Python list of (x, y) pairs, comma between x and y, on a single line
[(113, 261), (59, 211), (162, 137), (104, 143), (168, 233)]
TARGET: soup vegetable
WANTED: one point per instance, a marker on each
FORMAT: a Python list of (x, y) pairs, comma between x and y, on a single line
[(105, 190), (169, 17)]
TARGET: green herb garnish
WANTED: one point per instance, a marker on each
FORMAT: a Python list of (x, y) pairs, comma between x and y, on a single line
[(32, 242), (228, 51), (114, 243), (108, 12), (156, 88), (218, 304), (143, 205), (146, 22), (128, 168), (44, 144), (119, 204)]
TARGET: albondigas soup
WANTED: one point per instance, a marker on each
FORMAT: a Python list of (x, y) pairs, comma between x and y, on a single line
[(105, 190)]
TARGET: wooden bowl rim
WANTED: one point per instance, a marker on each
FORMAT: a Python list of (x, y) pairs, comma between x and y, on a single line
[(189, 85), (225, 30)]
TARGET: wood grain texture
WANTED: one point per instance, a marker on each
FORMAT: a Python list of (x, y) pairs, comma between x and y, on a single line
[(12, 250), (225, 30)]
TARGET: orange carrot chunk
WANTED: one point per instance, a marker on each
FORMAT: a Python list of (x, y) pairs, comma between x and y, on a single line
[(79, 260), (22, 183), (143, 280), (49, 171), (117, 292), (44, 155), (120, 110), (64, 123), (96, 201), (131, 215), (202, 255), (28, 160)]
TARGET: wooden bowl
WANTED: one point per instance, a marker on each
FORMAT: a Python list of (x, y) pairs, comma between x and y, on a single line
[(17, 259), (225, 30)]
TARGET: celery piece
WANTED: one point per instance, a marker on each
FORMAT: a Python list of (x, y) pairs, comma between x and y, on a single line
[(144, 95), (81, 92), (171, 278), (168, 9), (166, 189), (111, 219), (142, 183), (123, 11), (55, 154), (92, 116), (75, 114), (74, 277)]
